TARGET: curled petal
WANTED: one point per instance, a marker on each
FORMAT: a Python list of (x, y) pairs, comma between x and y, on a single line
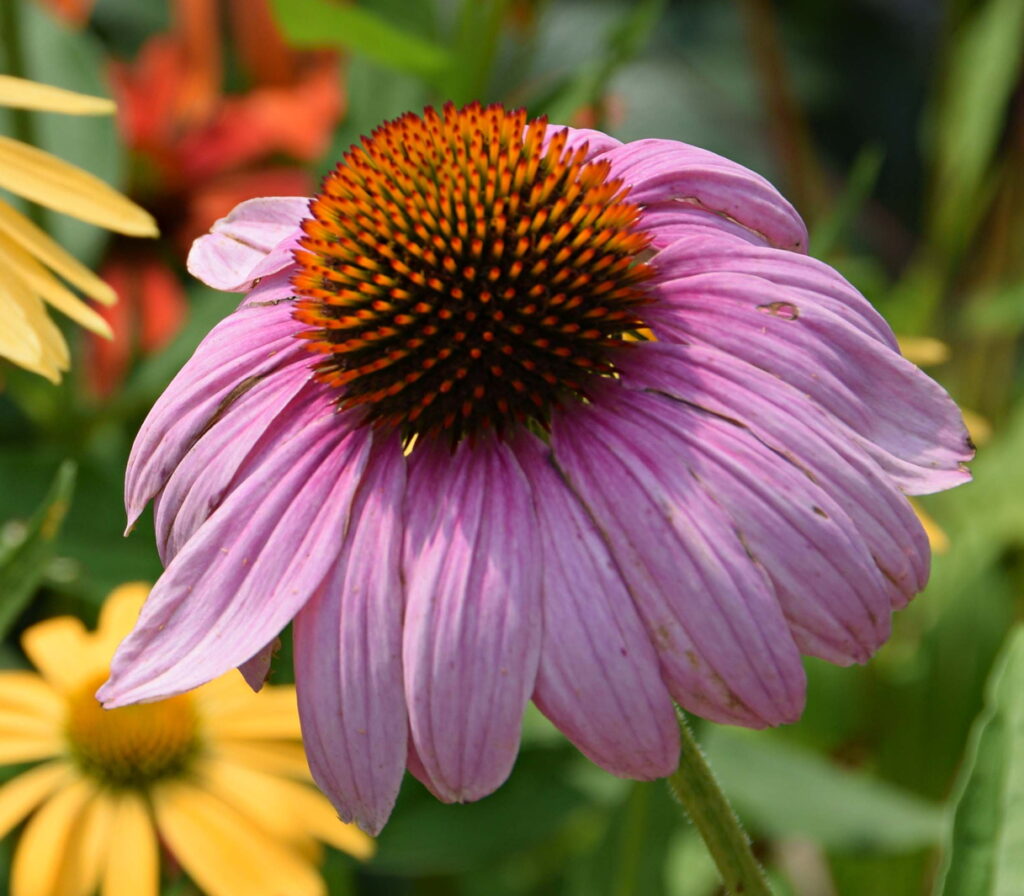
[(227, 258), (473, 614), (666, 170)]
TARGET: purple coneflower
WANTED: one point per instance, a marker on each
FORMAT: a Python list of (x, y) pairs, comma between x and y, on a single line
[(513, 411)]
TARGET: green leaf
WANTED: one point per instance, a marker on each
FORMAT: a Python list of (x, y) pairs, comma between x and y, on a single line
[(985, 856), (981, 77), (23, 563), (785, 790), (319, 23)]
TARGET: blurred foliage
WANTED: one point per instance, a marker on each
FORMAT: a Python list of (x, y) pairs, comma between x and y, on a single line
[(898, 129)]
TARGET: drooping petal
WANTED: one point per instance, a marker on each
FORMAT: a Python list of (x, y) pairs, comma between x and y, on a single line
[(227, 257), (348, 656), (598, 679), (725, 647), (473, 614), (250, 567), (242, 349), (836, 599), (901, 417), (800, 431), (597, 142), (666, 222), (256, 669), (667, 170)]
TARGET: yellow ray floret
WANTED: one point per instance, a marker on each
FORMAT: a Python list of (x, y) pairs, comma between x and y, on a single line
[(29, 258), (216, 774)]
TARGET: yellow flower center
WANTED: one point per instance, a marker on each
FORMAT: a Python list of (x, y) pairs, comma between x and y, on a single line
[(135, 745), (458, 274)]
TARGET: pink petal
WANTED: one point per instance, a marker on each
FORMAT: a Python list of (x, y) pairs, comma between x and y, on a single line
[(834, 596), (228, 256), (250, 567), (597, 141), (348, 655), (221, 457), (599, 679), (725, 648), (666, 170), (473, 613), (903, 419), (242, 349), (805, 280), (666, 222)]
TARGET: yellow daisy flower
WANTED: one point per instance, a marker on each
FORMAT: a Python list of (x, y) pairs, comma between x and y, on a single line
[(216, 775), (29, 257)]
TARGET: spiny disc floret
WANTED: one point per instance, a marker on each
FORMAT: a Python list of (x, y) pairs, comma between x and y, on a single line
[(459, 273)]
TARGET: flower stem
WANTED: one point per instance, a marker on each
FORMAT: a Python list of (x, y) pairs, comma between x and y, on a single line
[(694, 785)]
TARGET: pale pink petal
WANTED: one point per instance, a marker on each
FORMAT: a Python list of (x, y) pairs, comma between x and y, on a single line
[(903, 419), (803, 280), (473, 613), (241, 350), (250, 567), (805, 435), (836, 599), (666, 222), (229, 256), (597, 142), (348, 655), (599, 679), (665, 170), (725, 647), (221, 457)]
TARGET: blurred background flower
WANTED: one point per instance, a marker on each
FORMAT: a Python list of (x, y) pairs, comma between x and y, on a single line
[(29, 258), (215, 778)]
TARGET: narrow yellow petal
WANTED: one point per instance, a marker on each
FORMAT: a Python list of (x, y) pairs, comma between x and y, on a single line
[(18, 93), (28, 337), (133, 864), (938, 540), (272, 713), (86, 855), (27, 692), (14, 259), (978, 426), (46, 840), (28, 746), (50, 181), (60, 649), (21, 721), (119, 613), (925, 351), (283, 758), (224, 853), (42, 246), (22, 794)]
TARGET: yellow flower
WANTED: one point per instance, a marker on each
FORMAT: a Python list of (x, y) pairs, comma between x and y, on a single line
[(217, 774), (29, 258)]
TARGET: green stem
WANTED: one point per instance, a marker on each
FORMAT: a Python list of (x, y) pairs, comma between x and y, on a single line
[(694, 785), (631, 845)]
